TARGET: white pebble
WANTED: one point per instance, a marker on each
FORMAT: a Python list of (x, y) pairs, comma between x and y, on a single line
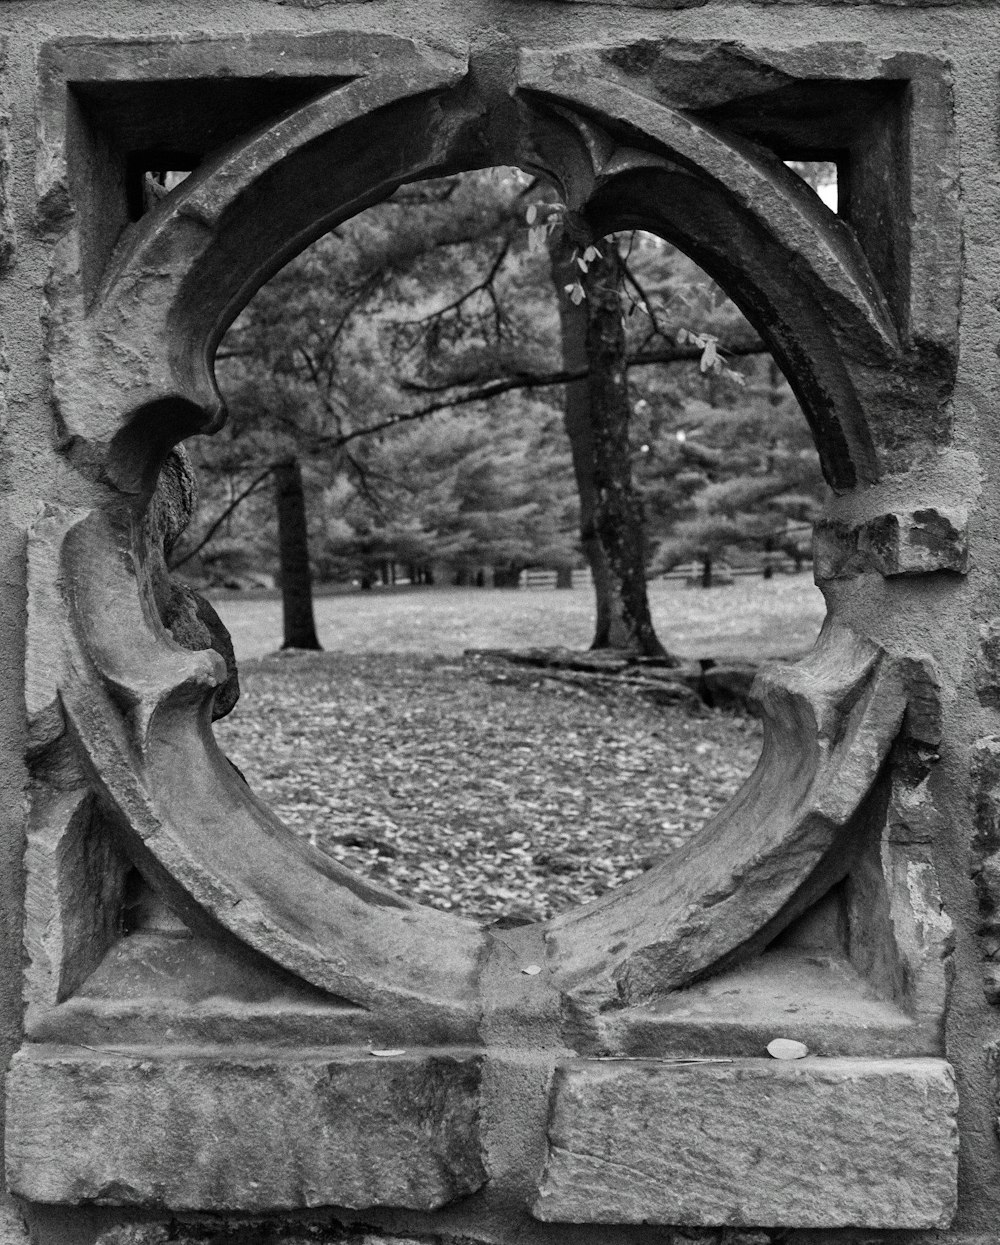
[(787, 1048)]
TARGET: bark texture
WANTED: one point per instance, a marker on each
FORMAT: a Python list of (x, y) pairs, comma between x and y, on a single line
[(596, 418), (293, 551)]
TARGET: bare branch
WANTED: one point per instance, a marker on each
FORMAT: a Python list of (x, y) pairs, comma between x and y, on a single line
[(482, 394), (214, 527), (683, 354), (364, 486), (644, 298), (671, 353), (310, 363), (485, 284), (358, 299)]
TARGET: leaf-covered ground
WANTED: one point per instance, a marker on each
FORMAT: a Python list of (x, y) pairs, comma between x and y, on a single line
[(475, 786)]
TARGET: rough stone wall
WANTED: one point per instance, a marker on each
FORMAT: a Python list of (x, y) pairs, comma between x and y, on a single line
[(950, 806)]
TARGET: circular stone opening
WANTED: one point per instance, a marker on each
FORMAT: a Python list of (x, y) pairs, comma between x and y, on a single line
[(409, 382)]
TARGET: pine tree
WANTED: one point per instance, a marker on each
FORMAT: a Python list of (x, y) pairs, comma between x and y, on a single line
[(435, 308), (734, 479)]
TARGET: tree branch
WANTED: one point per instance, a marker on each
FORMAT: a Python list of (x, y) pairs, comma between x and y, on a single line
[(485, 284), (482, 394), (364, 485), (238, 500), (492, 389), (644, 297), (645, 358), (683, 354)]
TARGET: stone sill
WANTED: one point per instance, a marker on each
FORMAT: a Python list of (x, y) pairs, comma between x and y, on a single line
[(815, 1143)]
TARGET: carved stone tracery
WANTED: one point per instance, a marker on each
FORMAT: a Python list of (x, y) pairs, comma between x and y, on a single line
[(804, 859)]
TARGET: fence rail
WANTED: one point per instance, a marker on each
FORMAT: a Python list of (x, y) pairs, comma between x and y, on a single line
[(581, 578), (688, 571)]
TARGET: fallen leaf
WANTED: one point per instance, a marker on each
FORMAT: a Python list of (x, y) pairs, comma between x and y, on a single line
[(476, 796)]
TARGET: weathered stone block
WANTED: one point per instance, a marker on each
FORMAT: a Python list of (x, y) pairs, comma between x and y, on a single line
[(914, 542), (242, 1130), (817, 1143)]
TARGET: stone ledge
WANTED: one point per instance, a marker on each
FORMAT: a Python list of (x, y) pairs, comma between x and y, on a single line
[(250, 1131), (815, 1143)]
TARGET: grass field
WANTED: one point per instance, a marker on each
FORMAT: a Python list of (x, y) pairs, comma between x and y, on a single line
[(752, 619)]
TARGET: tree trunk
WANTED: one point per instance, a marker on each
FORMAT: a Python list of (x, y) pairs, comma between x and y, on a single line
[(293, 554), (596, 418)]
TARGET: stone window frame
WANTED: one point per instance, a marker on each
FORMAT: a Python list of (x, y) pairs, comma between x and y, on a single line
[(132, 363), (861, 313)]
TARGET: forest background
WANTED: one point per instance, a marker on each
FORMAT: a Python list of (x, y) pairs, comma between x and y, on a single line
[(458, 384)]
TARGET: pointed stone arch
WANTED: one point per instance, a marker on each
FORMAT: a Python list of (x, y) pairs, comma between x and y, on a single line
[(190, 266)]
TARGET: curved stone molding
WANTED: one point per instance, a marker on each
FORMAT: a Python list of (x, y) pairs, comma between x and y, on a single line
[(141, 356), (761, 188), (139, 707), (242, 1049), (779, 844), (133, 374), (754, 226)]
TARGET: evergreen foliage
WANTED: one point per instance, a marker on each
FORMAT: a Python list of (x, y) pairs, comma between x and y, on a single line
[(411, 362)]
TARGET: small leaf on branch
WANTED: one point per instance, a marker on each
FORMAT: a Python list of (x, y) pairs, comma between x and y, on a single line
[(591, 253), (576, 293), (532, 214)]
